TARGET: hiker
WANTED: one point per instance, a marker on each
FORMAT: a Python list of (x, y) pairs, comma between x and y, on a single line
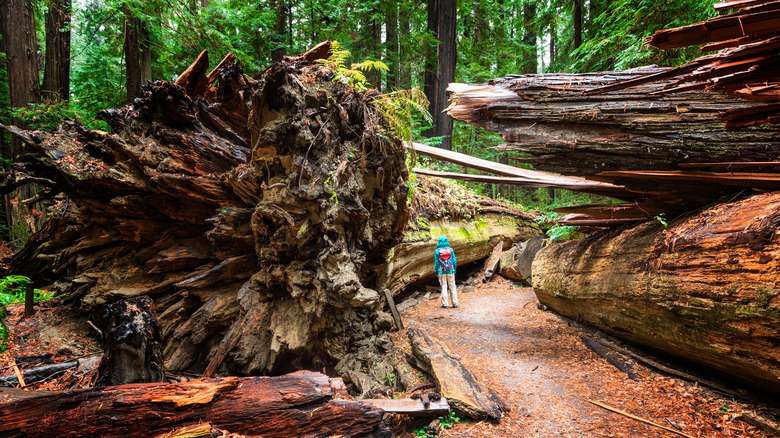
[(444, 265)]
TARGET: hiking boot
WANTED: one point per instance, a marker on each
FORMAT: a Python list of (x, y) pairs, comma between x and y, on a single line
[(445, 307)]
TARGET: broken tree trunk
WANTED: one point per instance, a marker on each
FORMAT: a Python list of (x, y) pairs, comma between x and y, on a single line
[(132, 341), (492, 262), (464, 393), (551, 124), (283, 406), (705, 289)]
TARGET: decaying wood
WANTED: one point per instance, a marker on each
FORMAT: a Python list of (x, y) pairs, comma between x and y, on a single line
[(201, 200), (132, 342), (704, 289), (399, 324), (284, 406), (464, 393), (635, 139), (613, 358), (492, 261), (746, 64), (36, 374), (412, 407), (516, 175)]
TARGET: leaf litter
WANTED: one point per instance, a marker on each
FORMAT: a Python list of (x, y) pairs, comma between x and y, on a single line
[(538, 364)]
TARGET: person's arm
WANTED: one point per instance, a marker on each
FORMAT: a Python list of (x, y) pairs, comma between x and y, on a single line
[(436, 262)]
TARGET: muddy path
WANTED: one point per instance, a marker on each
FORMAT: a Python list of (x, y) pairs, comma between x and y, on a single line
[(539, 365)]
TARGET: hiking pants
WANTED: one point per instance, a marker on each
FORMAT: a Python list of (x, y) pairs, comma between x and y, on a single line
[(447, 281)]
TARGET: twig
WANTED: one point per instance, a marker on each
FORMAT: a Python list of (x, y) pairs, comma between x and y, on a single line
[(18, 375), (634, 417)]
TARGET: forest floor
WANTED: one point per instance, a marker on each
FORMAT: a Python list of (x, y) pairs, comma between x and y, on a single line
[(537, 363)]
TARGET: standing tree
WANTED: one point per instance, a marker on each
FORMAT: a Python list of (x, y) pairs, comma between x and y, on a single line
[(132, 52), (392, 47), (56, 67), (529, 37), (577, 23), (440, 68), (23, 88)]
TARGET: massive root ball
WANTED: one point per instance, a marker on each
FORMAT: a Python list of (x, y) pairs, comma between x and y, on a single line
[(255, 215)]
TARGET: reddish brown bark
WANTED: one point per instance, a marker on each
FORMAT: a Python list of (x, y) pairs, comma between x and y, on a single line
[(284, 406)]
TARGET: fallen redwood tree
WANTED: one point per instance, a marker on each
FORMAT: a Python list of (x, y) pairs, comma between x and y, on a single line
[(283, 406), (704, 289), (261, 215), (254, 214)]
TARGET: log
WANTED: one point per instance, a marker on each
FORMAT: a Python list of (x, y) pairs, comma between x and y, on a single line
[(492, 261), (456, 383), (613, 358), (410, 262), (283, 406), (704, 289), (548, 118), (36, 374)]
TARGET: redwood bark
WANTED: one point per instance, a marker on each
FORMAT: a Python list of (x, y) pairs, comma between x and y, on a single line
[(132, 54), (704, 289), (440, 70), (393, 55), (557, 129), (284, 406), (529, 38), (56, 74)]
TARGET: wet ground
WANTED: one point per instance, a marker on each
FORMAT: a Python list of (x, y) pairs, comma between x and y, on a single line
[(537, 362)]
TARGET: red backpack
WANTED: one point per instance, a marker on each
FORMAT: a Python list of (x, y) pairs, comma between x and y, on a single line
[(445, 259)]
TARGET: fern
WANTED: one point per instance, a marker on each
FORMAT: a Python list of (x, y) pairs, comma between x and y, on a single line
[(402, 110), (353, 76)]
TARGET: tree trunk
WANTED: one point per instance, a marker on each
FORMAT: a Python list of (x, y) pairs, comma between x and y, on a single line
[(577, 17), (132, 54), (548, 118), (404, 55), (293, 405), (279, 30), (23, 89), (56, 74), (393, 55), (704, 289), (529, 38), (440, 71)]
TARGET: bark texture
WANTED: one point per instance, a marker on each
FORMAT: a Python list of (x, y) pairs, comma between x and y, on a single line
[(704, 289), (255, 215), (548, 118), (284, 406)]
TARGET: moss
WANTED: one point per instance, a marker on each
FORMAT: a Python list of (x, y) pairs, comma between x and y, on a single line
[(764, 294)]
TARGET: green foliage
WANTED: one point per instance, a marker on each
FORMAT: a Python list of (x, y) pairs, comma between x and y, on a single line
[(355, 74), (619, 33), (14, 287), (404, 111), (449, 420), (661, 218)]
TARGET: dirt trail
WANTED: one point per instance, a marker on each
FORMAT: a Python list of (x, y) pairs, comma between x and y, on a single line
[(538, 364)]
